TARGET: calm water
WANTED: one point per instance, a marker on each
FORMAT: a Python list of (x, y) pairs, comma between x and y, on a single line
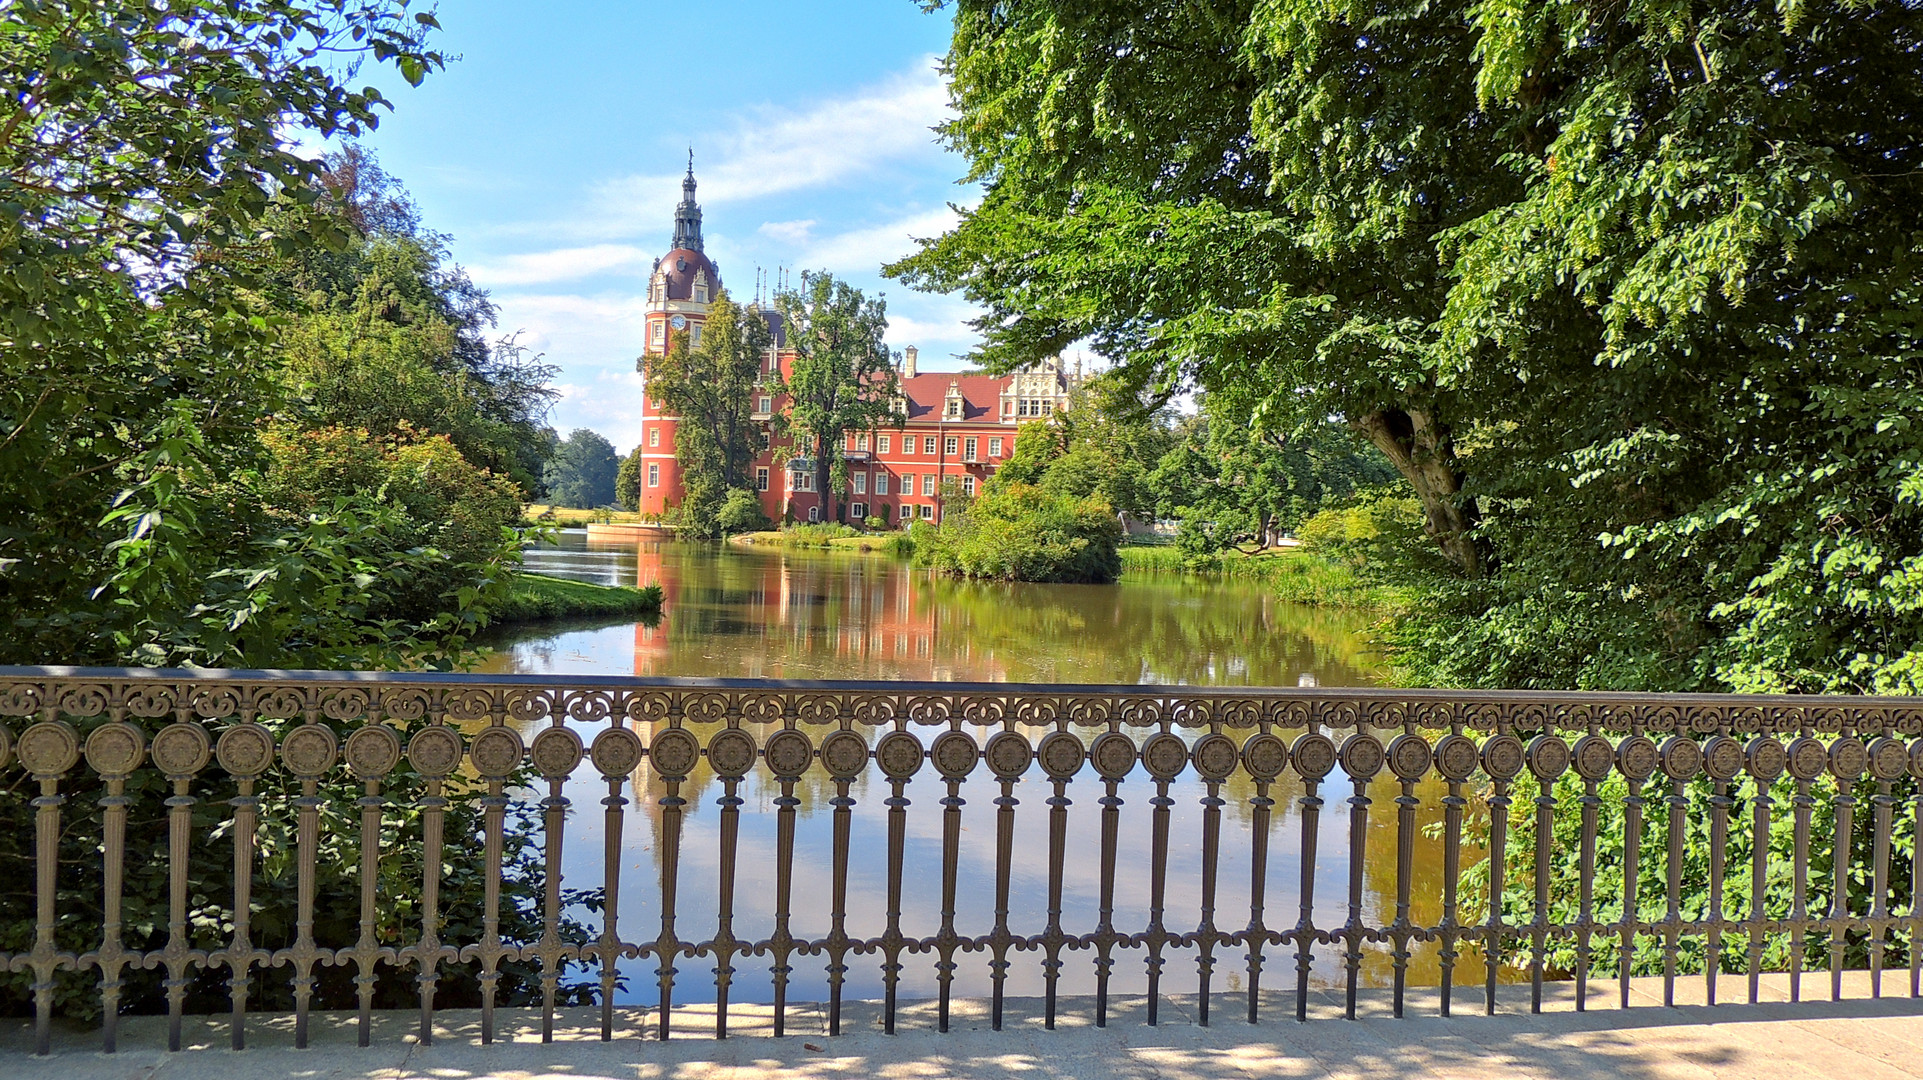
[(772, 613)]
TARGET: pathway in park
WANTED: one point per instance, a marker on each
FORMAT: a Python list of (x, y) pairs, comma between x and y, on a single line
[(1854, 1039)]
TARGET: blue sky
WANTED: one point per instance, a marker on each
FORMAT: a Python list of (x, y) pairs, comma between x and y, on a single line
[(552, 151)]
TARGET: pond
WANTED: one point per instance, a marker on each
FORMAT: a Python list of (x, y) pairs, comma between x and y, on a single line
[(733, 611)]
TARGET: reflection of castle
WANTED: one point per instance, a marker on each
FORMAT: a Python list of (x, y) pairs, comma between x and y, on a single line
[(787, 616), (958, 427)]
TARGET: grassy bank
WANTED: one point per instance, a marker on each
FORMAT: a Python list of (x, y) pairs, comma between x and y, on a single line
[(532, 597), (829, 538), (1297, 576), (568, 517)]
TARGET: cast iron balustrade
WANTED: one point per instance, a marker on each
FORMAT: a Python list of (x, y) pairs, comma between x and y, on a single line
[(193, 726)]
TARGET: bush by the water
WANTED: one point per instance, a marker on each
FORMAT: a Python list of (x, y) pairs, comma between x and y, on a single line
[(530, 597), (1024, 533)]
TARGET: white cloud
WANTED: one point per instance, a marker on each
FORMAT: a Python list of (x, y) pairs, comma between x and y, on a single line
[(789, 232), (562, 264), (772, 150), (867, 249)]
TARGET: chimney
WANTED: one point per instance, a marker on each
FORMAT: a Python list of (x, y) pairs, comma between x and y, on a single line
[(908, 362)]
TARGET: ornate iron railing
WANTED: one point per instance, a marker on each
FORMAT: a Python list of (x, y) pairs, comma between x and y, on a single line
[(1474, 753)]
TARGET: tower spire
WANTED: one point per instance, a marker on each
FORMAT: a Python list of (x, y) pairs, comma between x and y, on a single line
[(687, 216)]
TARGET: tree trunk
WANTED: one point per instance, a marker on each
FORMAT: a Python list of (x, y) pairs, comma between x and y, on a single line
[(1423, 451), (823, 473)]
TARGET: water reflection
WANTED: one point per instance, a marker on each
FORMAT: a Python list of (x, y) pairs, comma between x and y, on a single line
[(780, 614), (783, 614)]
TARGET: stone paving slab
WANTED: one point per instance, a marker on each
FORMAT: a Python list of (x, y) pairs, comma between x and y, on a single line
[(1858, 1038)]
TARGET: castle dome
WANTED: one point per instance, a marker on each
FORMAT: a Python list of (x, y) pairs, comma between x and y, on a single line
[(681, 269)]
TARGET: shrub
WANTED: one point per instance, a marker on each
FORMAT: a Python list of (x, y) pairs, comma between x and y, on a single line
[(741, 512), (1372, 527), (458, 514), (1023, 533)]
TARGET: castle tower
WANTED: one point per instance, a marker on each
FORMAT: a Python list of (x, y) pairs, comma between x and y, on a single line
[(685, 280)]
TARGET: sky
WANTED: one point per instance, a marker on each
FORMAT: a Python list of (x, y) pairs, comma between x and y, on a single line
[(552, 147)]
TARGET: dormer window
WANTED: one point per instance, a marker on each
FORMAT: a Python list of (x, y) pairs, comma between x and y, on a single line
[(954, 408), (701, 288), (659, 292)]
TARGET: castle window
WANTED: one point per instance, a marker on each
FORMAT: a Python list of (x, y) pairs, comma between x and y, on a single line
[(968, 486), (858, 510), (881, 444), (654, 476), (654, 436), (700, 294), (928, 485), (954, 408), (861, 483), (928, 445), (695, 335), (994, 448), (761, 479), (767, 404), (948, 446), (968, 450), (881, 483), (814, 514), (660, 332), (927, 512), (861, 442)]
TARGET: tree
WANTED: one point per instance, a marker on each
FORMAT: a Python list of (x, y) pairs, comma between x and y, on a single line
[(1625, 295), (842, 378), (711, 387), (387, 333), (581, 471), (1232, 484), (142, 153), (1022, 533), (627, 481)]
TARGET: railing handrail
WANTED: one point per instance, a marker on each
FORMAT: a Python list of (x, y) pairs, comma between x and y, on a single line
[(390, 739), (1413, 695)]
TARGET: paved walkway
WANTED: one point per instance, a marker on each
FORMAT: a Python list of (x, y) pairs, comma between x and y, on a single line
[(1849, 1040)]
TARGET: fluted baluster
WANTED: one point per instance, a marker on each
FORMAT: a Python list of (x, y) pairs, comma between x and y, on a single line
[(496, 752), (180, 751), (555, 752), (309, 752), (114, 750), (1313, 756), (245, 751), (47, 750)]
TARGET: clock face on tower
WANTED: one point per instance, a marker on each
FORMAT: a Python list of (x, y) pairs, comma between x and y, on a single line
[(678, 323)]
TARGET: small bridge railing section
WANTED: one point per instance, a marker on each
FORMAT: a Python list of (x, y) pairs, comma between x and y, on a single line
[(1483, 756)]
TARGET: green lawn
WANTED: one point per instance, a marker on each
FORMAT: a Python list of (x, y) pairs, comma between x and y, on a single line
[(533, 597)]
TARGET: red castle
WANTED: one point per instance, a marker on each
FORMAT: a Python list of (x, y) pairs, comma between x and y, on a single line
[(959, 426)]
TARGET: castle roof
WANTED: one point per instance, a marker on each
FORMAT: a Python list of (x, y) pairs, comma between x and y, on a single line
[(681, 266), (928, 392)]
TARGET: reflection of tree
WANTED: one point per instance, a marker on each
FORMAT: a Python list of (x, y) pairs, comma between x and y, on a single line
[(804, 614)]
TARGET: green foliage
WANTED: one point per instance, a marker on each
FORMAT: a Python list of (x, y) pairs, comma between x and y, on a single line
[(529, 597), (711, 387), (1293, 576), (448, 509), (1737, 850), (842, 378), (387, 334), (1024, 533), (1627, 298), (819, 535), (1233, 484), (581, 470), (741, 512), (627, 482)]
